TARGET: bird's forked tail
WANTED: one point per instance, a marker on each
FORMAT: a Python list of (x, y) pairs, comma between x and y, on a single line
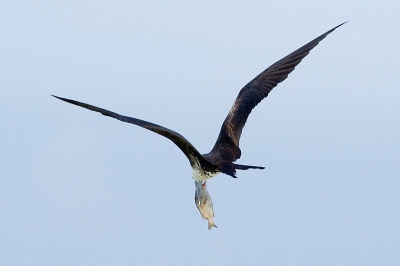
[(230, 169)]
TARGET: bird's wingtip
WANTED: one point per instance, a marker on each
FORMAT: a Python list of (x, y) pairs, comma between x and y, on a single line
[(341, 24), (62, 99), (55, 96)]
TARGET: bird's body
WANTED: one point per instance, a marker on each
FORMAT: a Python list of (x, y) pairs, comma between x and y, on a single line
[(226, 149), (199, 174)]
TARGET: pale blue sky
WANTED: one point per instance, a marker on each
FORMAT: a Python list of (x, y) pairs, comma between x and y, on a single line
[(78, 188)]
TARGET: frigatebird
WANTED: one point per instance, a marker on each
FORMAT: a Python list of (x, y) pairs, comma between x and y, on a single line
[(226, 149)]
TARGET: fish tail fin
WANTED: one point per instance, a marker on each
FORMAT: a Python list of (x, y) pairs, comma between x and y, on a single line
[(211, 224)]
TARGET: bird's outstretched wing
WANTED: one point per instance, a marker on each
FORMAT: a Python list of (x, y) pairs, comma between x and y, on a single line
[(226, 147), (187, 148)]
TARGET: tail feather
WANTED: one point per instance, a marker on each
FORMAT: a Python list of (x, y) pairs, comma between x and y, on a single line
[(230, 169), (246, 167)]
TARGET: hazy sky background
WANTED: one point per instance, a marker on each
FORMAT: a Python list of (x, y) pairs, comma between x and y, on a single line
[(78, 188)]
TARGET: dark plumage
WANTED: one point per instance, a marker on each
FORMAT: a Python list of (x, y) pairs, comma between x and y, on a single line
[(226, 149)]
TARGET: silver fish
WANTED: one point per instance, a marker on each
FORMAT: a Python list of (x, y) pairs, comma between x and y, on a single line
[(205, 206)]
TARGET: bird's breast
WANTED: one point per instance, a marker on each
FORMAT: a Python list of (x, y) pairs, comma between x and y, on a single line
[(200, 174)]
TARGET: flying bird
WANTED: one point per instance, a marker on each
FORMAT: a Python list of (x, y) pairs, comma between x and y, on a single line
[(226, 149)]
